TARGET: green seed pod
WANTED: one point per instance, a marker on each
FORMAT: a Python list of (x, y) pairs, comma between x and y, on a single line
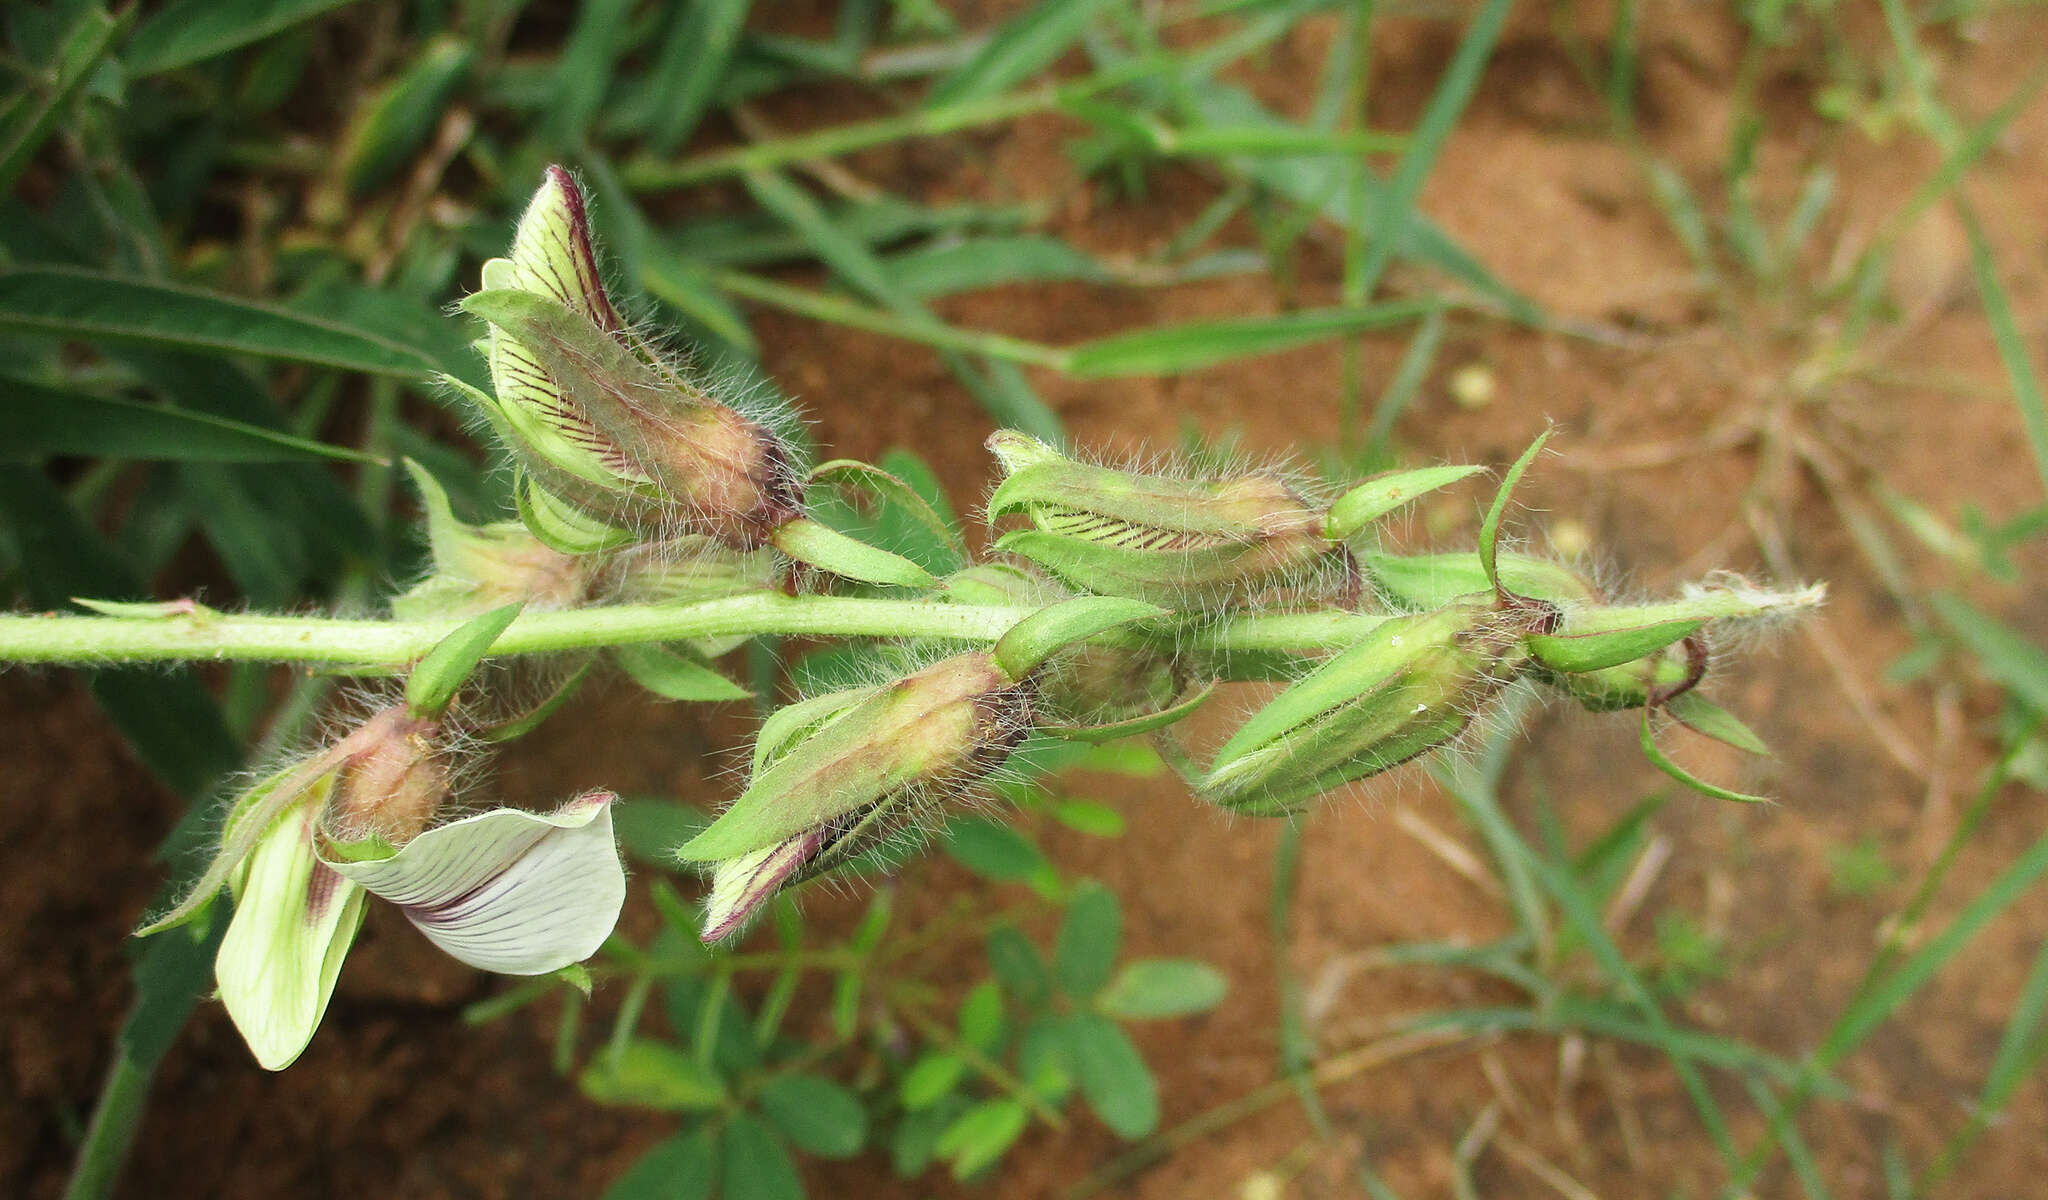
[(598, 419), (1176, 542), (834, 773), (1408, 686)]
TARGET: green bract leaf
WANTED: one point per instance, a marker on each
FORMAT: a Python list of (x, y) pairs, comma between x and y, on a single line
[(433, 683), (993, 850), (94, 307), (650, 1074), (827, 549), (1050, 630), (1576, 652), (1151, 988), (676, 676), (1375, 498)]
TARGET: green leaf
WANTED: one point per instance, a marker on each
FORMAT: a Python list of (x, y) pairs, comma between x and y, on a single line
[(993, 850), (982, 1135), (693, 62), (650, 1074), (1151, 988), (1086, 816), (981, 1016), (93, 307), (401, 116), (1050, 630), (1489, 529), (433, 683), (28, 118), (1112, 1075), (37, 422), (683, 1167), (2001, 652), (930, 1079), (819, 1116), (943, 533), (1186, 347), (189, 31), (916, 1140), (675, 676), (1018, 966), (756, 1165), (1088, 940), (971, 264), (1659, 760), (1017, 51)]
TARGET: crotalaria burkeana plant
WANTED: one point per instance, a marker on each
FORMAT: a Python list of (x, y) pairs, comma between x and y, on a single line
[(659, 524)]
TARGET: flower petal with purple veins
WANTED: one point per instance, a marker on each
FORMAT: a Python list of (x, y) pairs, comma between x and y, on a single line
[(508, 891), (740, 886), (294, 921)]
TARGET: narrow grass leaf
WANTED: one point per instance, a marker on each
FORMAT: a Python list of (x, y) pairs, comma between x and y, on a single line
[(1446, 105), (29, 119), (2012, 348), (399, 117), (92, 307), (37, 422), (1178, 348), (190, 31), (2000, 650), (1019, 50), (971, 264), (694, 58)]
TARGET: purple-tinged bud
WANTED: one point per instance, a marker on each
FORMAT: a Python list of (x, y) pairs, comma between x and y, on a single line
[(596, 417), (835, 773), (1174, 542)]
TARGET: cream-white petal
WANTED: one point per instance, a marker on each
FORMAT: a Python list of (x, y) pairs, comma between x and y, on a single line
[(294, 921), (513, 892)]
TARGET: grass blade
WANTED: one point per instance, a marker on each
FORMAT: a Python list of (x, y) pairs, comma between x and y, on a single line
[(191, 31), (92, 307), (38, 422), (29, 119), (1018, 51), (2012, 349), (1178, 348)]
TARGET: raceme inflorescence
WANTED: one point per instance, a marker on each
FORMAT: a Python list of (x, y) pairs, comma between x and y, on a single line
[(660, 525)]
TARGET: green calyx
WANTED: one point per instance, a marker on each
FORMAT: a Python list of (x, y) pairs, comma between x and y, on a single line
[(1407, 686), (940, 728), (1167, 541)]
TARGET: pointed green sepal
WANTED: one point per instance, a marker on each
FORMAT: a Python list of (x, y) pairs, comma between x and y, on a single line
[(1421, 582), (433, 683), (1375, 498), (1049, 630), (1663, 763), (853, 472), (1489, 529), (827, 549), (676, 676), (1576, 651), (1145, 723), (1708, 719)]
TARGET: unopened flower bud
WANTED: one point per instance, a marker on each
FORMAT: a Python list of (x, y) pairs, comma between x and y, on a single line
[(833, 773), (391, 782), (1408, 686), (596, 417), (1650, 681), (1164, 540)]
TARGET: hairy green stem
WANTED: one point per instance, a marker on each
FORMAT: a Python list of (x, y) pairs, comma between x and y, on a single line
[(206, 636)]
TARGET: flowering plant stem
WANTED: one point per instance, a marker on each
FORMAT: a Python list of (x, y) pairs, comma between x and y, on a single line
[(195, 633)]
